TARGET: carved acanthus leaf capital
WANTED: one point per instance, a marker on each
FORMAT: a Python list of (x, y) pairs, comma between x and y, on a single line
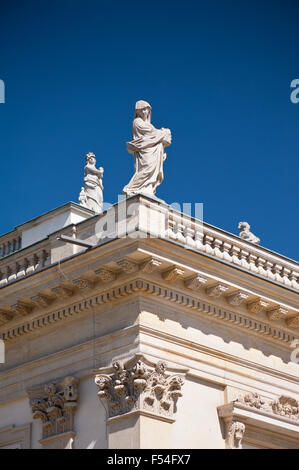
[(55, 405), (137, 386)]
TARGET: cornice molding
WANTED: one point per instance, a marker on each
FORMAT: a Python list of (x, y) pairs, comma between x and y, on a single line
[(148, 288)]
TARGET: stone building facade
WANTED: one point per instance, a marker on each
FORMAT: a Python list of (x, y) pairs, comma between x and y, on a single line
[(144, 328)]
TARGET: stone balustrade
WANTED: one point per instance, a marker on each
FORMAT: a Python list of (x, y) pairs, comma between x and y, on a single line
[(157, 220), (231, 249), (10, 243), (23, 263)]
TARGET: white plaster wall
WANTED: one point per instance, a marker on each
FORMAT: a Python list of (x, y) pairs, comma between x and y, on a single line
[(90, 418), (45, 228), (42, 230), (197, 424), (19, 413)]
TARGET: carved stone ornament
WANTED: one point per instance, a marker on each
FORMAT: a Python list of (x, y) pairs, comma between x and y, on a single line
[(195, 282), (283, 406), (105, 275), (150, 265), (252, 400), (138, 386), (237, 298), (172, 274), (234, 434), (127, 266), (148, 148), (245, 233), (286, 406), (91, 195), (55, 406), (216, 291)]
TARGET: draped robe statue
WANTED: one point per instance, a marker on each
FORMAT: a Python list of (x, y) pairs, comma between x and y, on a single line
[(91, 195), (147, 147)]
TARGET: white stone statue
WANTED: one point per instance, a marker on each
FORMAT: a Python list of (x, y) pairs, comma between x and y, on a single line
[(246, 234), (91, 195), (147, 147)]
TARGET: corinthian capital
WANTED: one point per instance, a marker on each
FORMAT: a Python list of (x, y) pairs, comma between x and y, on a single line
[(55, 404), (139, 386)]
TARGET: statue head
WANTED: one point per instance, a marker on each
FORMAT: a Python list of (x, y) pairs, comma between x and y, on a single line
[(90, 158), (244, 226), (143, 109)]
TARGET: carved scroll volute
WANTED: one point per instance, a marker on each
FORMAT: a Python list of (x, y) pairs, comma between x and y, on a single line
[(137, 387), (234, 434)]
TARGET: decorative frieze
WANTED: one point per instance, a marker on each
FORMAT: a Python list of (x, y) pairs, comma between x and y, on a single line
[(252, 400), (216, 291), (261, 416), (140, 387), (55, 405), (286, 406), (283, 406)]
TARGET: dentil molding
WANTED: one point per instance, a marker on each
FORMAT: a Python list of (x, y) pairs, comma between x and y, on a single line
[(148, 287)]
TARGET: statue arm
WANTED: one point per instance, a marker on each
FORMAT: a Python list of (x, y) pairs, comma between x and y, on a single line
[(94, 171), (149, 136)]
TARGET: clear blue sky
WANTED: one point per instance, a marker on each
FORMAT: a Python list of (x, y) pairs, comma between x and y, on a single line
[(217, 73)]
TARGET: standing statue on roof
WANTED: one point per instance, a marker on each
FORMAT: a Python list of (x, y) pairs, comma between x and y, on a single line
[(147, 146), (91, 195)]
